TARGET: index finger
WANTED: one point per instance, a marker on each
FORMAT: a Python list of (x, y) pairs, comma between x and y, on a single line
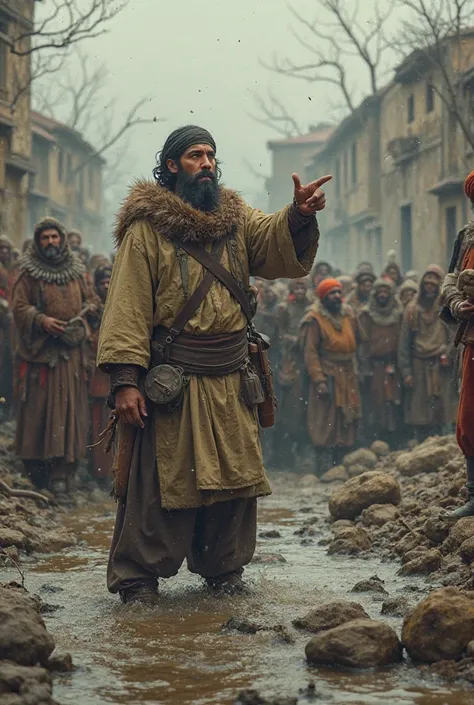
[(321, 181)]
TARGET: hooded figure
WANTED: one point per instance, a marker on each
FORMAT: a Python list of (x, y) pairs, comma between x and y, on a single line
[(380, 323), (426, 361), (192, 469), (52, 417), (329, 337), (359, 297), (408, 291)]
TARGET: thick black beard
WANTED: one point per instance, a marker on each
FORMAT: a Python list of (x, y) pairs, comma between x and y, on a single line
[(202, 195), (428, 299), (383, 303), (363, 297), (51, 252), (333, 306)]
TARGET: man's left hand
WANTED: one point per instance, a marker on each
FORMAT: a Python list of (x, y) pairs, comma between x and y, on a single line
[(310, 198)]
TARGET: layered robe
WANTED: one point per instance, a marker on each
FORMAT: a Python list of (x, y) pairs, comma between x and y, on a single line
[(380, 334), (426, 354), (52, 386), (330, 345), (463, 258), (208, 450), (99, 388)]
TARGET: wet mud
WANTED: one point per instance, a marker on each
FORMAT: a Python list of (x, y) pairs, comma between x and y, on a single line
[(179, 653)]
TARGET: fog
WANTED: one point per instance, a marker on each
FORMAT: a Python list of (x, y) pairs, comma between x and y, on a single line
[(199, 62)]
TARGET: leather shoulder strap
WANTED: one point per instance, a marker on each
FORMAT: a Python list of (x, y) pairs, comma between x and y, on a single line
[(220, 272)]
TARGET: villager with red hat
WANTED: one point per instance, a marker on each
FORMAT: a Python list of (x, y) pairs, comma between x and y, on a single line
[(330, 344), (459, 303), (426, 361)]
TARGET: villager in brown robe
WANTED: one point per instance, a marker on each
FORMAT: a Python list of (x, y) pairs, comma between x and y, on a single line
[(426, 361), (291, 442), (359, 297), (196, 470), (379, 326), (330, 345), (52, 399), (99, 388), (6, 367)]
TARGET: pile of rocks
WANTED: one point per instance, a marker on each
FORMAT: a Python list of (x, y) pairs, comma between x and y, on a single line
[(26, 650)]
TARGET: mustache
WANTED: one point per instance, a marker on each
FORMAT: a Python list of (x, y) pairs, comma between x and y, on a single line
[(205, 174)]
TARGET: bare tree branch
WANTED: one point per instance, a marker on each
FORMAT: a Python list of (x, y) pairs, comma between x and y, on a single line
[(275, 115)]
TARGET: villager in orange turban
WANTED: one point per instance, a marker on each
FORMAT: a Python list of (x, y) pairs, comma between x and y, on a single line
[(326, 286), (469, 186)]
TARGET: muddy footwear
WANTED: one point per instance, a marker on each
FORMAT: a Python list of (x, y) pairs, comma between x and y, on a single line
[(59, 488), (467, 510), (141, 593), (228, 584)]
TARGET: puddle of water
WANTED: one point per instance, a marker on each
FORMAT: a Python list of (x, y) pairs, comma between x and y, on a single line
[(178, 653)]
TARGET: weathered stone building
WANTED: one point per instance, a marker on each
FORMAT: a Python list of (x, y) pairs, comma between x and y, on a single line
[(398, 164), (46, 168)]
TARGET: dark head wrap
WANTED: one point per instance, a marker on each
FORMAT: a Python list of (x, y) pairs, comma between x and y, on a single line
[(49, 224), (175, 146)]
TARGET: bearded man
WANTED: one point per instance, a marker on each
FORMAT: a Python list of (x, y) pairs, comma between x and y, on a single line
[(49, 299), (359, 297), (196, 468), (380, 324), (330, 341), (425, 359), (99, 386), (75, 239), (461, 308), (408, 291), (291, 435)]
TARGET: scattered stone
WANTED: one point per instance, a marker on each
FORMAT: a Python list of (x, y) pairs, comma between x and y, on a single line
[(270, 534), (462, 530), (268, 558), (440, 627), (380, 448), (60, 663), (20, 685), (336, 474), (379, 514), (329, 616), (242, 625), (470, 649), (408, 543), (363, 456), (351, 540), (357, 469), (435, 528), (362, 643), (427, 457), (395, 607), (466, 551), (52, 589), (309, 481), (361, 492), (253, 697), (427, 563), (373, 584), (10, 537), (23, 635)]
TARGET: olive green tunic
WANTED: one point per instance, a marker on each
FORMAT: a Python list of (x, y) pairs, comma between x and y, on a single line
[(209, 450)]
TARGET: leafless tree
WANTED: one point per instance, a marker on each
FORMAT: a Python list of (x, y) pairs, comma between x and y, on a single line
[(59, 25), (440, 34), (334, 40), (78, 99), (274, 114)]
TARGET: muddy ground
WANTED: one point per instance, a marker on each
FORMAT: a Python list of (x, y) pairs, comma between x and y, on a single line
[(183, 653)]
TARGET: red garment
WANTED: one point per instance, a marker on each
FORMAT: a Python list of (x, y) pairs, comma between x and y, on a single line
[(465, 420)]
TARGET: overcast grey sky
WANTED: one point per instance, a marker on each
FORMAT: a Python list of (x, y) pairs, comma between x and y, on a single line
[(198, 61)]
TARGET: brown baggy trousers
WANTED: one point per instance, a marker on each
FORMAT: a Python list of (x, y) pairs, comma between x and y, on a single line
[(150, 542)]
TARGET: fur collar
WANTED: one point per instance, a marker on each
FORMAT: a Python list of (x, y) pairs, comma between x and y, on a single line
[(70, 268), (388, 316), (175, 219)]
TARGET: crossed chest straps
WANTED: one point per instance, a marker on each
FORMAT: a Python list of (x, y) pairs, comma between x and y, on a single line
[(211, 261)]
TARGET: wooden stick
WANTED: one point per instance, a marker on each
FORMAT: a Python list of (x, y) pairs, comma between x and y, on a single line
[(29, 494)]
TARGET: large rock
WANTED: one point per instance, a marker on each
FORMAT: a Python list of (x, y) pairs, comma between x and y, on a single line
[(23, 635), (435, 528), (330, 615), (462, 530), (379, 514), (380, 448), (362, 643), (428, 457), (427, 562), (350, 540), (466, 551), (20, 685), (11, 537), (440, 627), (361, 492), (363, 456)]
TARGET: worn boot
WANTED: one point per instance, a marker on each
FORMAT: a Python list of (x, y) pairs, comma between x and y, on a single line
[(140, 592), (467, 510), (229, 584)]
